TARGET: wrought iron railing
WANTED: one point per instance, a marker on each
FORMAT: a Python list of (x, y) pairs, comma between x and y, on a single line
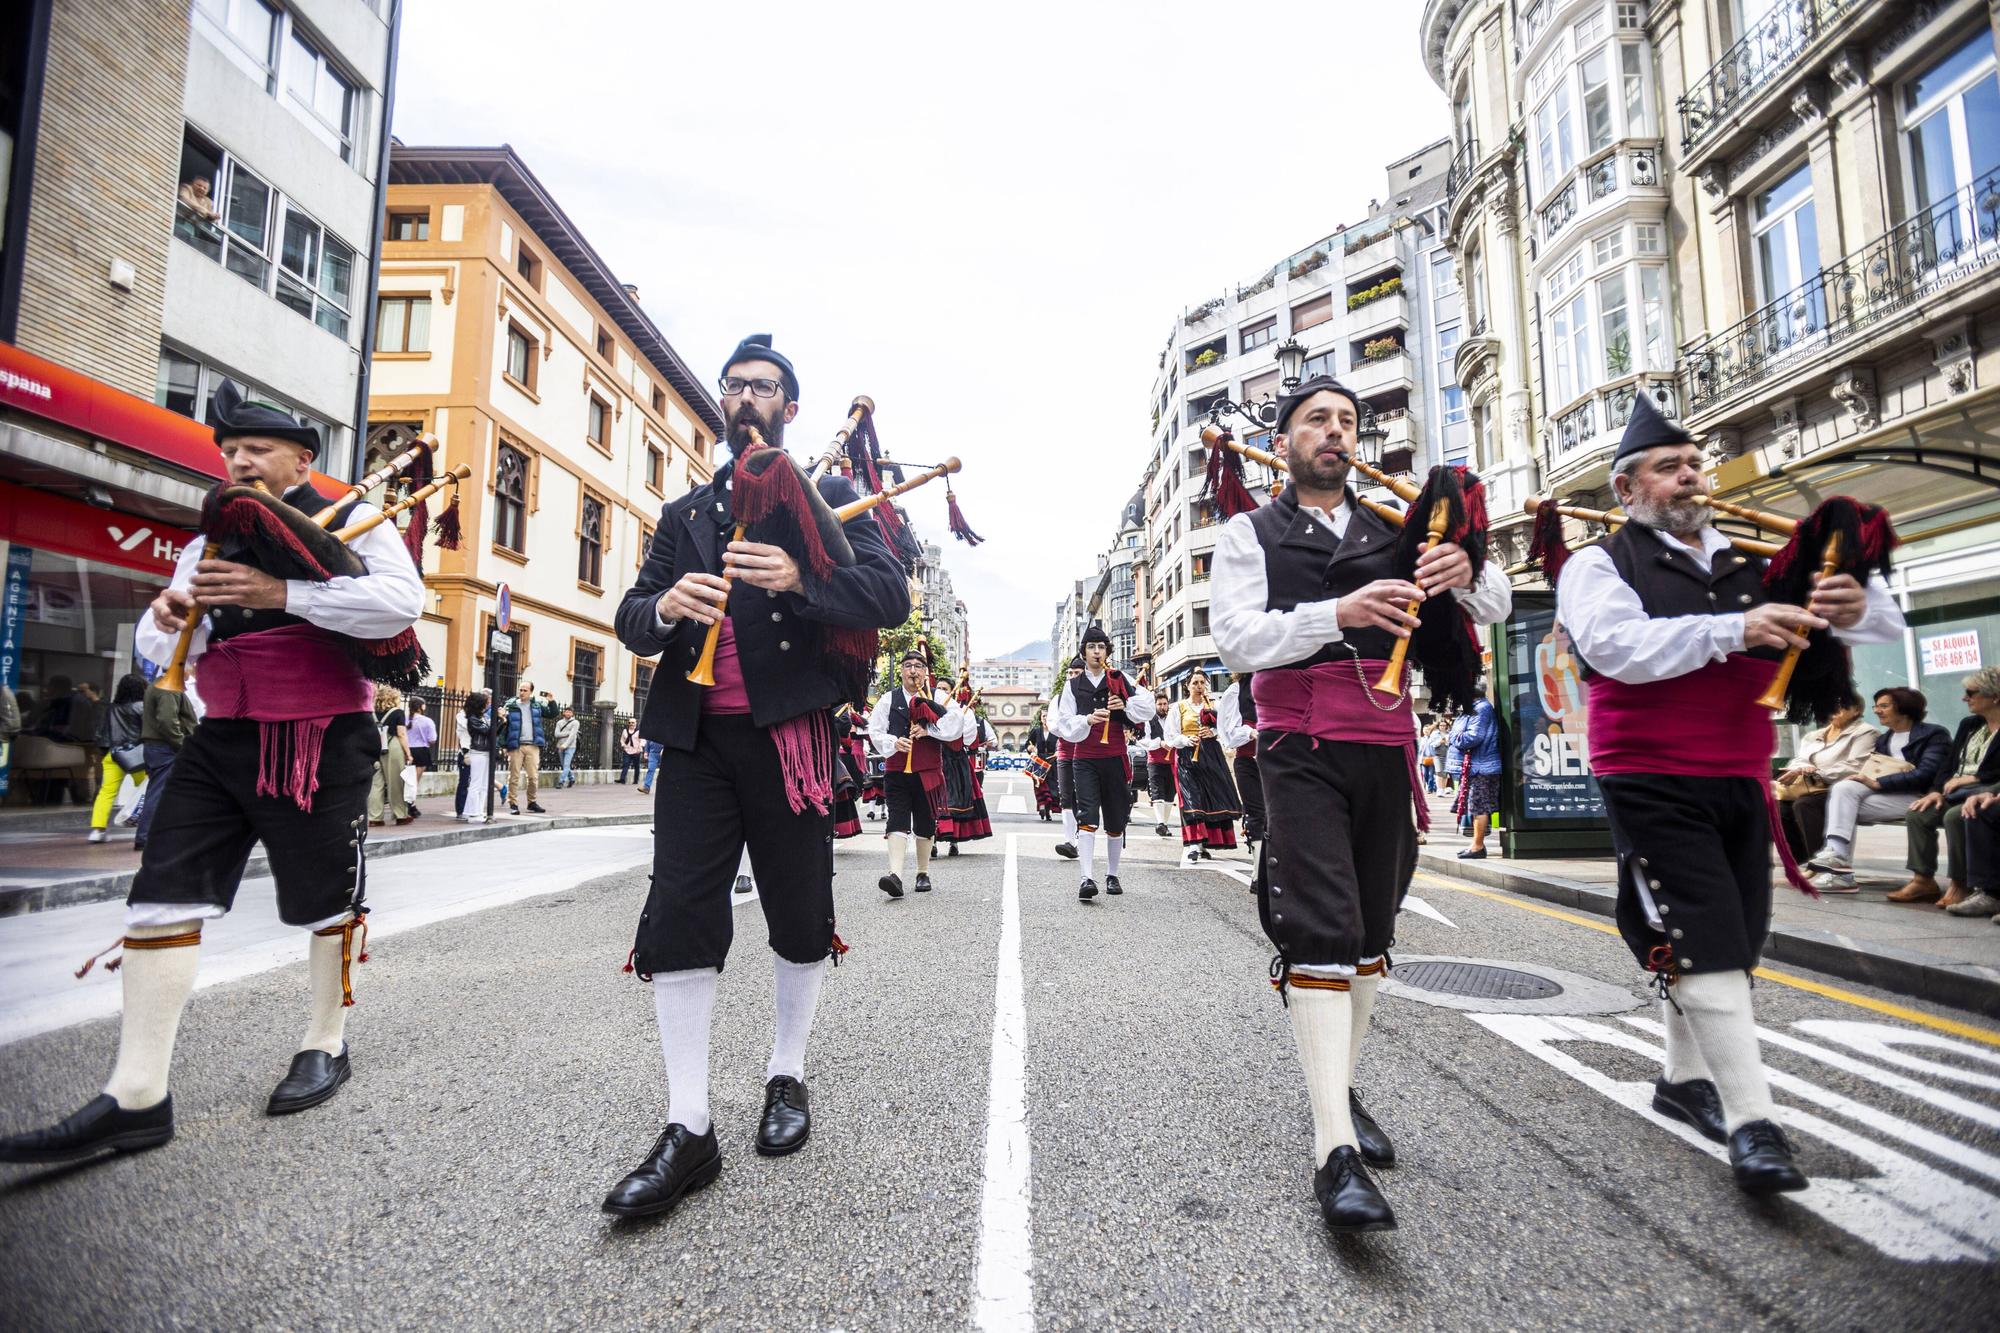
[(1931, 252), (1763, 53), (1459, 174), (1561, 211)]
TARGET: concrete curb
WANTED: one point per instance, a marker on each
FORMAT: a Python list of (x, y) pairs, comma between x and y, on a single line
[(1920, 976), (16, 900)]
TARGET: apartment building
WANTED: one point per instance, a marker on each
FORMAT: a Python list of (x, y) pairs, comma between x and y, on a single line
[(190, 192), (992, 674), (940, 608), (502, 332)]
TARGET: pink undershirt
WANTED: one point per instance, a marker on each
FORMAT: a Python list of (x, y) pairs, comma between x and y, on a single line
[(727, 695)]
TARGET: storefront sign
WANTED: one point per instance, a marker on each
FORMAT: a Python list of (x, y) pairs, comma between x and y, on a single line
[(1548, 715), (13, 625), (57, 523), (1956, 651), (60, 394)]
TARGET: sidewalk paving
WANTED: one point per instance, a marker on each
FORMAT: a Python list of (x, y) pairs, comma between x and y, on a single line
[(1914, 950), (45, 861)]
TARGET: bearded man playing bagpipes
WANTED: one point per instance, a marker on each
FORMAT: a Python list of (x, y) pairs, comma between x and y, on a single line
[(1674, 626), (1315, 592), (293, 630), (749, 758)]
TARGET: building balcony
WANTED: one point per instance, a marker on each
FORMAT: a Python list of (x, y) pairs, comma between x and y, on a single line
[(1933, 256), (1584, 432), (1459, 174), (1759, 65), (1383, 312), (1372, 253), (1623, 173), (1368, 378)]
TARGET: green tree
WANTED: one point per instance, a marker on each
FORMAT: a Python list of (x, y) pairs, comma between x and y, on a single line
[(896, 642)]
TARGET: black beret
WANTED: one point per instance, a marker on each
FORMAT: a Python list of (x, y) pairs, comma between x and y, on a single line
[(1291, 402), (1096, 634), (1647, 428), (231, 414), (757, 347)]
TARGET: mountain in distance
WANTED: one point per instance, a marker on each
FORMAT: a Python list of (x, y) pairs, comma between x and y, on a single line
[(1038, 651)]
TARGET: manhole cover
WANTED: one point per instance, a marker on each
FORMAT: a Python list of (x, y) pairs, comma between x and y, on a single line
[(1476, 981), (1486, 986)]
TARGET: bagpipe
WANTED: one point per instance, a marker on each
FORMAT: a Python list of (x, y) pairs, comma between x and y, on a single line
[(1452, 498), (1111, 694), (292, 544), (1848, 537)]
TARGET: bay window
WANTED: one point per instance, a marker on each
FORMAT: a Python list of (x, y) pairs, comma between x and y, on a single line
[(1607, 318), (1586, 102), (1951, 119)]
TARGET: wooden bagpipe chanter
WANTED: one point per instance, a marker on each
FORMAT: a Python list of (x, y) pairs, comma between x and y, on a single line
[(1842, 535), (775, 501), (1452, 500), (292, 544)]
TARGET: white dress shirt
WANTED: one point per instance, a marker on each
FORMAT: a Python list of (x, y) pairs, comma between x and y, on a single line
[(1229, 724), (1250, 638), (947, 728), (1612, 631), (385, 602), (1073, 726)]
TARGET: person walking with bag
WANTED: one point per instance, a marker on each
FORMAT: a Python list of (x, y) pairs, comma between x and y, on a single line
[(386, 795), (566, 729), (631, 750), (118, 735)]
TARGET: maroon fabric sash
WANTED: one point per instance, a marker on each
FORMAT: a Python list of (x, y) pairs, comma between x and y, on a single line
[(292, 681), (1333, 702)]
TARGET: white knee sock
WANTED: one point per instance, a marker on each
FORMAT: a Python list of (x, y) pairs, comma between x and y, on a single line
[(1069, 826), (1362, 989), (1323, 1026), (1086, 852), (326, 1028), (1113, 849), (1159, 812), (798, 1000), (1684, 1060), (683, 1002), (899, 845), (1718, 1014), (157, 985), (925, 846)]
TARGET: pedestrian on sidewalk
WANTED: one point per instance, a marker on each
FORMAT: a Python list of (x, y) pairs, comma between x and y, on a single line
[(386, 795), (1827, 755), (475, 756), (1479, 798), (1909, 760), (1682, 750), (1427, 756), (168, 720), (653, 752), (423, 748), (630, 751), (566, 730), (523, 740), (120, 735), (1974, 767)]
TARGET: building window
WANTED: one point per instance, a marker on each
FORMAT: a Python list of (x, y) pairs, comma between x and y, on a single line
[(1569, 330), (1951, 115), (656, 468), (1787, 240), (599, 428), (248, 31), (403, 324), (267, 43), (510, 500), (1260, 386), (644, 547), (1260, 333), (1444, 274), (1323, 364), (322, 96), (586, 669), (590, 541), (1586, 102), (659, 401), (1651, 237), (642, 682), (184, 385), (1307, 314), (316, 273), (1454, 404), (410, 226), (529, 267), (521, 358), (607, 347), (1594, 333)]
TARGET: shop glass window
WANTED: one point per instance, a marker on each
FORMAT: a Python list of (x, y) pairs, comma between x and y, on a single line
[(403, 324), (510, 500)]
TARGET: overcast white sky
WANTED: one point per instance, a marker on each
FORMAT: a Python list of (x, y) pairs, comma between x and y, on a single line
[(985, 217)]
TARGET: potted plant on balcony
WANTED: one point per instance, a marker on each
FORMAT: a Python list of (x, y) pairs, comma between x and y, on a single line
[(1618, 355), (1381, 349), (1316, 260), (1386, 287), (1205, 358)]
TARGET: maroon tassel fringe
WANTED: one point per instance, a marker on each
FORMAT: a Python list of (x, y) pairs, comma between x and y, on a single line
[(955, 519), (1223, 483), (773, 491), (1545, 542), (448, 530)]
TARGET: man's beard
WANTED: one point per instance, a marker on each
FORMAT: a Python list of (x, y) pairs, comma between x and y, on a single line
[(1331, 476), (772, 429), (1675, 516)]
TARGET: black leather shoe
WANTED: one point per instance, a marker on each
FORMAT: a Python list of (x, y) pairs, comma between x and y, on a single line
[(1087, 890), (679, 1164), (1066, 849), (1375, 1146), (891, 885), (1347, 1195), (1112, 886), (923, 884), (1761, 1157), (953, 851), (99, 1126), (744, 884), (1205, 855), (534, 808), (314, 1077), (787, 1123), (1696, 1102)]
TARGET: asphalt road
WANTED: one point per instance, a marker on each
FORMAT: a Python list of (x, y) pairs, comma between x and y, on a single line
[(507, 1073)]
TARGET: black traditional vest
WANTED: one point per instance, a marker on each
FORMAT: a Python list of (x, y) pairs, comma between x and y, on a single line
[(928, 750), (1304, 562), (226, 622), (1088, 699), (1670, 582)]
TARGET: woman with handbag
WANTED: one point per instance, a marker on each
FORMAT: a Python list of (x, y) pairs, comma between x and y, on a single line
[(1908, 760), (386, 796), (124, 752), (1826, 756)]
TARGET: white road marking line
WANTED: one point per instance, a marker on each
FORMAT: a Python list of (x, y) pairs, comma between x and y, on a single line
[(1907, 1210), (1005, 1288), (1882, 1042), (1412, 903)]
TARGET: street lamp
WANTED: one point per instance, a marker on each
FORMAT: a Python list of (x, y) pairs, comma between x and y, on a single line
[(1291, 362)]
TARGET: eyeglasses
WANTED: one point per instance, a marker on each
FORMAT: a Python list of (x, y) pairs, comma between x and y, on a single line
[(732, 386)]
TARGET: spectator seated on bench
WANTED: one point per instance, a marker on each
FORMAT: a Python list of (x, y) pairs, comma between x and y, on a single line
[(1908, 763), (1974, 767)]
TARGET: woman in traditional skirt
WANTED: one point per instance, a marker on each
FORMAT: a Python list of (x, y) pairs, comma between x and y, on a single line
[(964, 818), (1209, 808), (846, 775), (869, 768)]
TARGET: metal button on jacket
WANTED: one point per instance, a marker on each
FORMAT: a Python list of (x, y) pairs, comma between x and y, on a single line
[(784, 645), (777, 615)]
